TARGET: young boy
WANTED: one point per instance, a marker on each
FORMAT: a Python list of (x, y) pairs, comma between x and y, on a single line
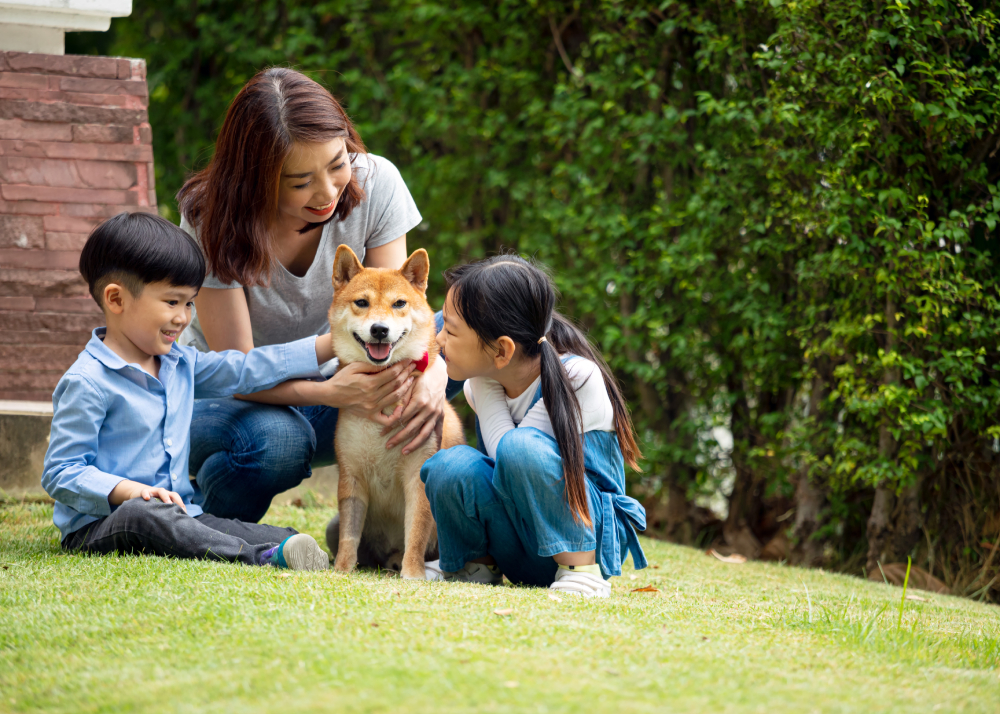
[(117, 462)]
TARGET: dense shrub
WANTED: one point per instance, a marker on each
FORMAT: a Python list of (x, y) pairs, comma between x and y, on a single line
[(778, 220)]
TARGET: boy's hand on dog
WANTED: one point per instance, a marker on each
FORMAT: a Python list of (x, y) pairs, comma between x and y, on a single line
[(127, 490), (366, 390), (422, 412)]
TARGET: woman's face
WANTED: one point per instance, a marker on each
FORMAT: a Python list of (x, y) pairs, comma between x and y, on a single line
[(312, 180)]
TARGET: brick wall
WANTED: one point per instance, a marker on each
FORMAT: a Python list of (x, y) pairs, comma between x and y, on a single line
[(75, 148)]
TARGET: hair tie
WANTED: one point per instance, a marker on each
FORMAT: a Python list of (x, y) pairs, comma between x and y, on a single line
[(542, 339)]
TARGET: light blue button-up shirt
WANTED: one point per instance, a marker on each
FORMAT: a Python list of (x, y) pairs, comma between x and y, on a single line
[(114, 421)]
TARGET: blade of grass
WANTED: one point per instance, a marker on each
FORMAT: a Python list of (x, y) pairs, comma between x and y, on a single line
[(902, 600)]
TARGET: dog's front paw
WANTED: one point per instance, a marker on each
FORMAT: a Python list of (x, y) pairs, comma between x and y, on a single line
[(344, 565), (414, 573)]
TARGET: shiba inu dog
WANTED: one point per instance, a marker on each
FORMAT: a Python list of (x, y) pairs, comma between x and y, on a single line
[(381, 316)]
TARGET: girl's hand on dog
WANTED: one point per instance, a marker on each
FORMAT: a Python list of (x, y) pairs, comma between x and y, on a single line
[(422, 411), (366, 390)]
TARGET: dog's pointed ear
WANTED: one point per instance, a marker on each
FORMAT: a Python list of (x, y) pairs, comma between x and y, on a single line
[(345, 266), (416, 269)]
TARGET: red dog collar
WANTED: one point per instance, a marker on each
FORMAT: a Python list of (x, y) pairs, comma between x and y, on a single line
[(421, 364)]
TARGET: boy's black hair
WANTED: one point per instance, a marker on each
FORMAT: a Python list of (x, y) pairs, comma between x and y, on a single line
[(135, 249)]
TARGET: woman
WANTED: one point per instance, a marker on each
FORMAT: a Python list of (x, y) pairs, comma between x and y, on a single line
[(291, 180)]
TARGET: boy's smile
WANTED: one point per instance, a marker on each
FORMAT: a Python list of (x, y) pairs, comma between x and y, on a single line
[(144, 327)]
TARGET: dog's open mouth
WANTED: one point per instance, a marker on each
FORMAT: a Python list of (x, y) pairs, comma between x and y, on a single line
[(378, 352)]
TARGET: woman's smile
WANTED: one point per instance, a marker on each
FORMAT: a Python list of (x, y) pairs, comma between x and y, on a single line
[(320, 210)]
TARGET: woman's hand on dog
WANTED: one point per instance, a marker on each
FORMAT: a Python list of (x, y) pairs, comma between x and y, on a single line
[(366, 390), (422, 411)]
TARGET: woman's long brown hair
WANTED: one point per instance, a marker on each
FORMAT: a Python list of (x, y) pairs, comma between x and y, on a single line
[(233, 202)]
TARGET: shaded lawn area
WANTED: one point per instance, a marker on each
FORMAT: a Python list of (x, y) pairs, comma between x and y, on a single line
[(95, 634)]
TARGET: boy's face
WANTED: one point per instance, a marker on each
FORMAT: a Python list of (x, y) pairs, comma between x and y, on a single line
[(155, 319)]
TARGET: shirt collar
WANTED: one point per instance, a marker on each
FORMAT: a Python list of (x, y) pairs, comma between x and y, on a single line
[(103, 354)]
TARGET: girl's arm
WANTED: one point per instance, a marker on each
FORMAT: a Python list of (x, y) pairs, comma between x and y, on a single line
[(489, 401)]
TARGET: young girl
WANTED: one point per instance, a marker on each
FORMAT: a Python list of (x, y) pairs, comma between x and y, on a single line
[(543, 500)]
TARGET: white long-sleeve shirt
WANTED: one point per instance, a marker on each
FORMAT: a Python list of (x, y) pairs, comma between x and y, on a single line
[(498, 413)]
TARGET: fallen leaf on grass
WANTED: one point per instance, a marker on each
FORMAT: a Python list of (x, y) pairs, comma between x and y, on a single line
[(374, 624), (656, 567), (554, 598), (504, 612), (734, 558), (647, 589), (284, 575), (633, 577), (510, 685), (917, 598)]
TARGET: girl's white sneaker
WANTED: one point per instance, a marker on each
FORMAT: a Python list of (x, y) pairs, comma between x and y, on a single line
[(582, 583)]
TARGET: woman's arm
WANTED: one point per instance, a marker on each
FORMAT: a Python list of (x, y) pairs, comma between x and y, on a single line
[(391, 255)]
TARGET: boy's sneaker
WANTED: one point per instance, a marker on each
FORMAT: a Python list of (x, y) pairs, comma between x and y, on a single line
[(297, 552), (470, 573), (585, 581)]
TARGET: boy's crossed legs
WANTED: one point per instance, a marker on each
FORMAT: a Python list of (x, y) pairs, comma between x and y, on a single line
[(158, 528)]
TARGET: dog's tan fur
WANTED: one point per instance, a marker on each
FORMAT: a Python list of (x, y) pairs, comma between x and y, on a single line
[(385, 519)]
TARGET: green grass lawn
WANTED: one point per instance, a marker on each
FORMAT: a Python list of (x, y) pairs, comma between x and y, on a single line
[(89, 634)]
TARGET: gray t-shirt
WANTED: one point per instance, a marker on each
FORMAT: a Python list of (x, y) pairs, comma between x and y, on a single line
[(291, 308)]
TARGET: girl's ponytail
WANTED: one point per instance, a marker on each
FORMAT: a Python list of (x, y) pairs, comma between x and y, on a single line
[(507, 295), (564, 413)]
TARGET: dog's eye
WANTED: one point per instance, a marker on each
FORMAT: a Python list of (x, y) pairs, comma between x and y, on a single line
[(399, 303), (361, 303)]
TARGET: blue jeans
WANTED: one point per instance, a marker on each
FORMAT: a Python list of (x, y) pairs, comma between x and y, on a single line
[(243, 454), (514, 509)]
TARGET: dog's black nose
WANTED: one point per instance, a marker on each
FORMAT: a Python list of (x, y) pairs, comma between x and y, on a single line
[(380, 332)]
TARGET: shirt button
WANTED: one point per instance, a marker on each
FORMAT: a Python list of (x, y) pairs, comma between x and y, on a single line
[(173, 478), (170, 442)]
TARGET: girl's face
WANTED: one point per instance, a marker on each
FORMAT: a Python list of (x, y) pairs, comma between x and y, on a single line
[(460, 347), (312, 180)]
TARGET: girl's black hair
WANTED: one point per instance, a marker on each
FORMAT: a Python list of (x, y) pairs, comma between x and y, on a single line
[(135, 249), (508, 295)]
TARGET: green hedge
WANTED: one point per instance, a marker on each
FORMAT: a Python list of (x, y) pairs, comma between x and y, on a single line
[(777, 219)]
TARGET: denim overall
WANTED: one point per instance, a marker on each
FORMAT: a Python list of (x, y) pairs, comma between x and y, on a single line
[(514, 508)]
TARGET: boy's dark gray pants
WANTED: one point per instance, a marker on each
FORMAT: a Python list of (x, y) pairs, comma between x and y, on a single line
[(158, 528)]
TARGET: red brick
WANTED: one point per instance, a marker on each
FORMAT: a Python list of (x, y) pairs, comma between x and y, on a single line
[(65, 241), (35, 131), (74, 65), (67, 150), (48, 322), (84, 100), (23, 80), (94, 210), (124, 68), (37, 358), (68, 224), (51, 259), (100, 86), (102, 134), (77, 339), (44, 172), (24, 381), (25, 232), (29, 207), (67, 112), (68, 195), (138, 67), (146, 134), (68, 305), (106, 174), (151, 174), (42, 283), (19, 304)]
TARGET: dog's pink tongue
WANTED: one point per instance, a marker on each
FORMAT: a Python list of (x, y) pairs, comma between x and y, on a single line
[(379, 351)]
